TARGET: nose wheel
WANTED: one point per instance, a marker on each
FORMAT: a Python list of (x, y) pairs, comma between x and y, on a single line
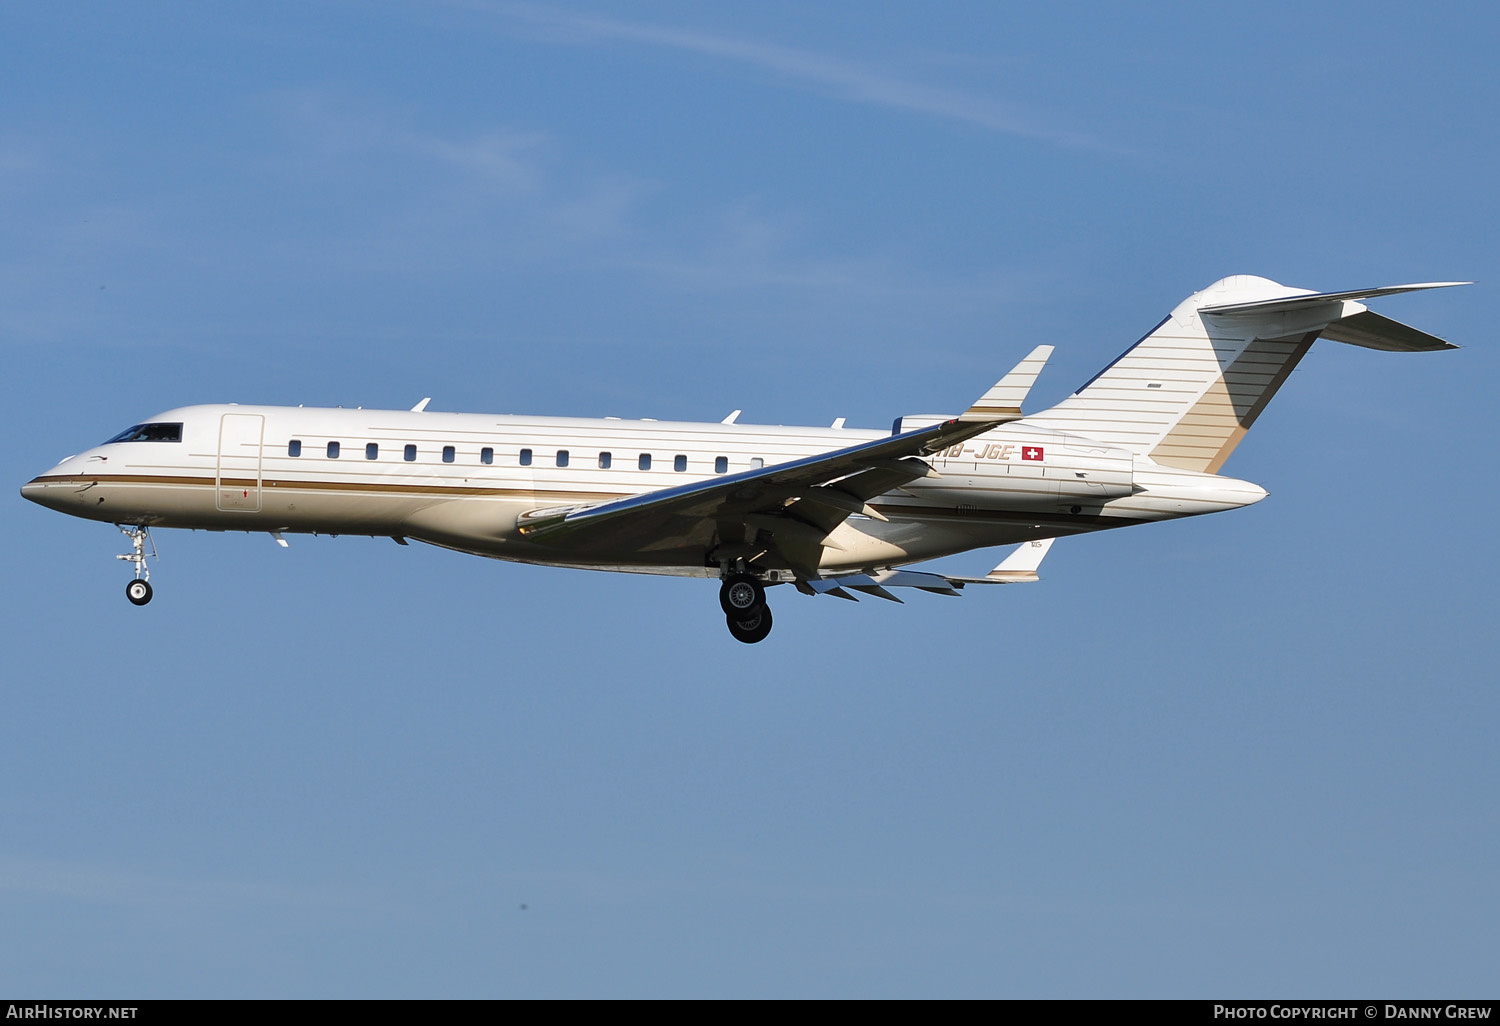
[(138, 591)]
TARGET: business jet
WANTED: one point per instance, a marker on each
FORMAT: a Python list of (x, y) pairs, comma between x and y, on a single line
[(830, 511)]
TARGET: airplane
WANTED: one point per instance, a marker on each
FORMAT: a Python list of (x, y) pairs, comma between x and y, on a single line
[(831, 511)]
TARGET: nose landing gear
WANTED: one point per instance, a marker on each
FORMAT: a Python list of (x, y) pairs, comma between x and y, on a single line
[(138, 591), (743, 599)]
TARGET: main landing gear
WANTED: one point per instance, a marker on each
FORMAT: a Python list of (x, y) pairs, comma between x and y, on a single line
[(743, 599), (753, 629), (138, 591)]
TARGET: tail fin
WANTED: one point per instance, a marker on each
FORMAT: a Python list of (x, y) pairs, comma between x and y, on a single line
[(1187, 392)]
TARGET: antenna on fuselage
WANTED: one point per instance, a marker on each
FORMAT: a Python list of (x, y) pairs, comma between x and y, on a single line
[(421, 406)]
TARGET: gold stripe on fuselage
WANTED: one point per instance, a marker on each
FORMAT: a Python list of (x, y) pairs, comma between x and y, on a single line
[(969, 514), (333, 486)]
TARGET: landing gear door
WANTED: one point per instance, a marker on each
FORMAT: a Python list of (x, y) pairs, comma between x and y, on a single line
[(238, 479)]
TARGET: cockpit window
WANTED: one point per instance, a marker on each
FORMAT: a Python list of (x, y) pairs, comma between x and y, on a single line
[(149, 433)]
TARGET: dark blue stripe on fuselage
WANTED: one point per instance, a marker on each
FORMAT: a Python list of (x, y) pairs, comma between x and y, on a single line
[(1122, 356)]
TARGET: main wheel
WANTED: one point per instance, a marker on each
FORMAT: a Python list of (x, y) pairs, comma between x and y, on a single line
[(752, 629), (138, 592), (740, 595)]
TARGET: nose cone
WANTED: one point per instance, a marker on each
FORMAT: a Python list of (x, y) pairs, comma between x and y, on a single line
[(55, 488), (46, 491)]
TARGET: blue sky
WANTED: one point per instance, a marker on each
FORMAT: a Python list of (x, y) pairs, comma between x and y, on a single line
[(1246, 755)]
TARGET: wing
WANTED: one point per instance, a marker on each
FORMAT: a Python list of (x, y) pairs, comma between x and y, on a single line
[(797, 504)]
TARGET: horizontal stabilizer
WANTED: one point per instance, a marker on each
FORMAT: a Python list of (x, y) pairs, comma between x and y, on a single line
[(1019, 567), (1311, 298), (1003, 402), (1371, 330), (877, 581)]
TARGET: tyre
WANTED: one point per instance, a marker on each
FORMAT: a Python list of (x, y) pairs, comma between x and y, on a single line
[(750, 629), (138, 592), (740, 595)]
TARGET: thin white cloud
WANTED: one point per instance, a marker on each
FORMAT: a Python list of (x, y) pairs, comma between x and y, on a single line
[(746, 248), (359, 192), (835, 75), (333, 134)]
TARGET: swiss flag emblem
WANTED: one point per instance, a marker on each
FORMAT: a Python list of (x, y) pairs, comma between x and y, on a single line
[(1031, 452)]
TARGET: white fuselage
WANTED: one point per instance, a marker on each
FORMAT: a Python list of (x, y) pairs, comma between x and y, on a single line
[(463, 480)]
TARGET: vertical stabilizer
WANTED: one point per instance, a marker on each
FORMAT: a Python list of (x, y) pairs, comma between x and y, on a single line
[(1187, 392)]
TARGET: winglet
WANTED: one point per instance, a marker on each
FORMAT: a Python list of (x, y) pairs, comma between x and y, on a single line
[(1003, 402), (1021, 565)]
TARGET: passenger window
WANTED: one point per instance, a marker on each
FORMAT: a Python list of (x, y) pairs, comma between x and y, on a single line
[(333, 450), (604, 460), (721, 465), (294, 447), (562, 457), (448, 454), (756, 463), (645, 461), (679, 463), (411, 453), (486, 455), (372, 451), (525, 457)]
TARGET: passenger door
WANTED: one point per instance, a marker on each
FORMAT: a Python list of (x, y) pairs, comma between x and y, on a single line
[(238, 479)]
